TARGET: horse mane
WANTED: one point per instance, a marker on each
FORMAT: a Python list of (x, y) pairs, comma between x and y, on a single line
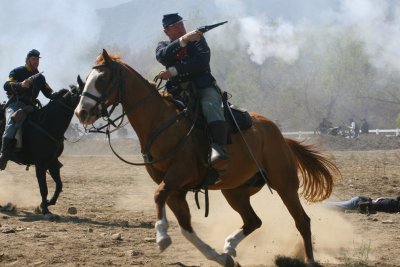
[(163, 93), (114, 56), (117, 57), (62, 91)]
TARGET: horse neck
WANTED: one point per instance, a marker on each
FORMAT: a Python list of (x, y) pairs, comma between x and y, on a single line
[(55, 117), (149, 115)]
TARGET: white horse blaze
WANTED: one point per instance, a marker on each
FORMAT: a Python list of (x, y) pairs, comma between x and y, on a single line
[(86, 102)]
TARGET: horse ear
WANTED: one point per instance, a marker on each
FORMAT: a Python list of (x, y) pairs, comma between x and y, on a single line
[(106, 56), (80, 82)]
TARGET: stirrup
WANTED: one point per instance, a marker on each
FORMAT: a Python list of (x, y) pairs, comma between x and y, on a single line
[(218, 156)]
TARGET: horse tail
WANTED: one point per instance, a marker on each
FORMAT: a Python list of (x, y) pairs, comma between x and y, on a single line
[(317, 170)]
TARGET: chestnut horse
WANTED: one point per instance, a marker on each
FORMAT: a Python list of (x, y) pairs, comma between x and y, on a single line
[(178, 166)]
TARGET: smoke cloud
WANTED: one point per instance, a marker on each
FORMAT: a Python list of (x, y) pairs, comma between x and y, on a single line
[(65, 32), (375, 23), (70, 34), (265, 40)]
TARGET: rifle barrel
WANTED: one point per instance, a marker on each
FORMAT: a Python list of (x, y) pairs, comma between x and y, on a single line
[(206, 28)]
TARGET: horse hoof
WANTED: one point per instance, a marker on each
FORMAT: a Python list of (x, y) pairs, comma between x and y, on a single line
[(313, 264), (229, 262), (164, 243)]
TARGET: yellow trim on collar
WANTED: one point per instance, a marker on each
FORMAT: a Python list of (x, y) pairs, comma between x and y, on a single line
[(27, 67)]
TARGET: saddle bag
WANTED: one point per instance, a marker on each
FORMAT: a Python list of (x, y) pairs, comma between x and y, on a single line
[(236, 116), (241, 118)]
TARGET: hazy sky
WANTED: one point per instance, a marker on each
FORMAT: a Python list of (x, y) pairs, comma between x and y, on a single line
[(66, 32), (61, 30)]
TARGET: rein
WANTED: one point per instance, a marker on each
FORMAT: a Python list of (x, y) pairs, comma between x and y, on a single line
[(101, 101), (148, 161), (145, 154), (46, 133)]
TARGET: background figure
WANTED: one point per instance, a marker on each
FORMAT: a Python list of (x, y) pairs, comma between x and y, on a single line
[(351, 204), (23, 86), (364, 129), (354, 129), (368, 205), (324, 126)]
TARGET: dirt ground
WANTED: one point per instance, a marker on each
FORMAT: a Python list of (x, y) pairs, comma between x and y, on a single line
[(114, 220)]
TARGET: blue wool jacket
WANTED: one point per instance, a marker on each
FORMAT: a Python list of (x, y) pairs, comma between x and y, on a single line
[(192, 61)]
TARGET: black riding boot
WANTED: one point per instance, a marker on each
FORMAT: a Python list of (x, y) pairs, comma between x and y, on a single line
[(6, 149), (219, 135)]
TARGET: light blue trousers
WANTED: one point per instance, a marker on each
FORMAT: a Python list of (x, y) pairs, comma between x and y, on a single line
[(211, 104), (351, 204), (12, 127)]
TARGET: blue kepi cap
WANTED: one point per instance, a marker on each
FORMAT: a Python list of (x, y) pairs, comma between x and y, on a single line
[(33, 53), (170, 19)]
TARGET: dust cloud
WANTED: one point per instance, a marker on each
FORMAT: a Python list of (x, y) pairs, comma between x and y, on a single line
[(278, 234), (19, 190), (333, 236)]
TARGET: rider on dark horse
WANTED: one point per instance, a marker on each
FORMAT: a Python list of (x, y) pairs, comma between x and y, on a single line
[(186, 57), (22, 87)]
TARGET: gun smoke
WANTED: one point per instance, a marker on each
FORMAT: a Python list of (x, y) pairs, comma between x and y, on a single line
[(70, 34)]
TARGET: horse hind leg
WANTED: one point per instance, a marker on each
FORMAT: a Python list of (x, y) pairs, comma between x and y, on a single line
[(302, 221), (179, 206), (239, 200)]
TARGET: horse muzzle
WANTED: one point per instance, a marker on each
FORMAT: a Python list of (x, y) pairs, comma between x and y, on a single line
[(86, 115)]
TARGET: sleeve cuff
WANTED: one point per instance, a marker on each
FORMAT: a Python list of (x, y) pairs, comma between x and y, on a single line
[(173, 71), (181, 42)]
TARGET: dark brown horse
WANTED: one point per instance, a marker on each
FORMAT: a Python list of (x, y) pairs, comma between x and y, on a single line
[(113, 81)]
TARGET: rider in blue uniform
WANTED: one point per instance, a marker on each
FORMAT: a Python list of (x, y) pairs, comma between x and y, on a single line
[(186, 57), (22, 94)]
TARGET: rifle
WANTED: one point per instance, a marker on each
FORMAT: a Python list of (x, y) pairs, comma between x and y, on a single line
[(204, 29), (34, 76)]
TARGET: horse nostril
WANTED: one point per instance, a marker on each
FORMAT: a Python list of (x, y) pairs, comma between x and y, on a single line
[(82, 115)]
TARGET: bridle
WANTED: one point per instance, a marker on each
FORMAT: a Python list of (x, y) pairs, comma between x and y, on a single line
[(117, 83), (75, 95)]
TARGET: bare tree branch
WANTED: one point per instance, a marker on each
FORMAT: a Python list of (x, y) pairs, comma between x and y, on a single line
[(380, 100)]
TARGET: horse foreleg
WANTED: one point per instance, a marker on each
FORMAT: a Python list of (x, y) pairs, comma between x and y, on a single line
[(179, 206), (239, 200), (163, 240), (54, 170), (41, 177)]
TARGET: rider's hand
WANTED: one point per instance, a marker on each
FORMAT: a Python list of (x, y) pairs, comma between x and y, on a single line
[(193, 36), (26, 83), (164, 75)]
